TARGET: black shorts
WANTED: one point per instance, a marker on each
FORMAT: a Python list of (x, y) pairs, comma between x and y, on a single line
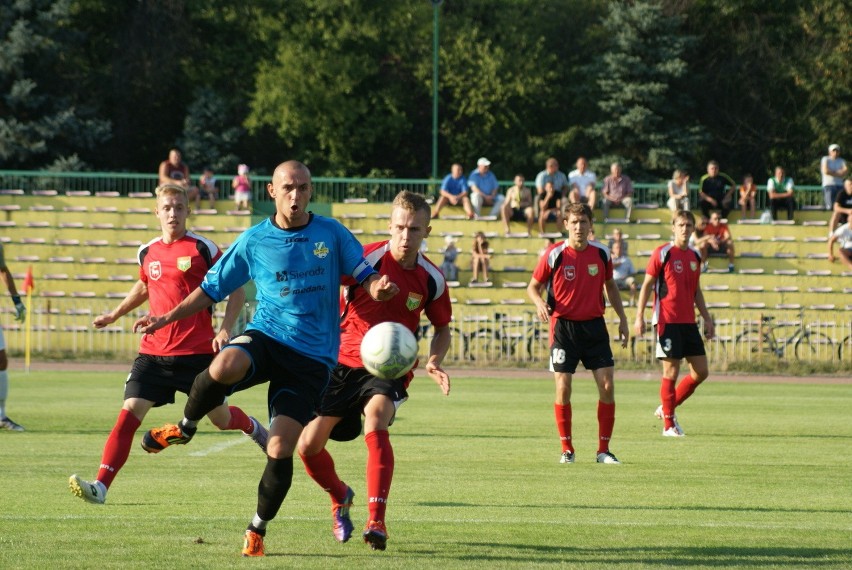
[(296, 381), (518, 215), (580, 341), (679, 340), (157, 378), (348, 393)]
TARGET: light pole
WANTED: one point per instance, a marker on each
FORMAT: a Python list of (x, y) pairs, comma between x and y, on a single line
[(435, 6)]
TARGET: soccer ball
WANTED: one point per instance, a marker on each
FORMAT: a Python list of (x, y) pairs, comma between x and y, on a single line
[(389, 350)]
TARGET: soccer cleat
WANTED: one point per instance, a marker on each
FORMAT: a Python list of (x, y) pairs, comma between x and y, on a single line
[(157, 439), (8, 424), (567, 457), (658, 413), (89, 492), (376, 535), (672, 432), (342, 526), (259, 434), (609, 458), (253, 544)]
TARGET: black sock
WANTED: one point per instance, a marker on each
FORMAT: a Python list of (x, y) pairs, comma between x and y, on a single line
[(273, 486), (205, 395)]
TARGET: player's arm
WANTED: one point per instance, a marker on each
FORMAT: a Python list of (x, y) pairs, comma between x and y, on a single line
[(614, 296), (21, 310), (235, 303), (438, 349), (198, 300), (709, 326), (644, 295), (832, 238), (380, 287), (534, 290), (138, 294)]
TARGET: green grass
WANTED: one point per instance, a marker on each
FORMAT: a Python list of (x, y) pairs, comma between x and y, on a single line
[(762, 480)]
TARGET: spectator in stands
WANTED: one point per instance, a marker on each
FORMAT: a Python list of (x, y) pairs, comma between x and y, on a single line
[(622, 271), (242, 187), (582, 183), (551, 173), (715, 191), (518, 205), (748, 198), (618, 238), (451, 253), (207, 188), (617, 191), (480, 258), (454, 192), (842, 206), (722, 242), (547, 243), (678, 191), (833, 168), (20, 315), (779, 190), (549, 207), (484, 188), (842, 234), (174, 170), (700, 240)]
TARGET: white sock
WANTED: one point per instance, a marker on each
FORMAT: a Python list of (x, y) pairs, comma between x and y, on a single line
[(258, 522)]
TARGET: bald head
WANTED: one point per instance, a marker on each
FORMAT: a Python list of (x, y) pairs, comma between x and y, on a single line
[(289, 167)]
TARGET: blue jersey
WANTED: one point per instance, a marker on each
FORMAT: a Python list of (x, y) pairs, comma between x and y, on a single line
[(297, 275)]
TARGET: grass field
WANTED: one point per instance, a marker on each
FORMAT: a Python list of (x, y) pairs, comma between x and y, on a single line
[(762, 480)]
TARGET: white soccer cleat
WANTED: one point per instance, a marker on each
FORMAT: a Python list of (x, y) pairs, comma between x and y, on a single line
[(89, 492), (567, 457), (608, 458), (260, 435), (658, 413), (672, 432)]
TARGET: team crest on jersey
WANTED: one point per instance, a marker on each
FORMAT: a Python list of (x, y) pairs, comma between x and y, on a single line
[(693, 265), (413, 301), (184, 263), (320, 249), (155, 270), (593, 269), (678, 266), (569, 271)]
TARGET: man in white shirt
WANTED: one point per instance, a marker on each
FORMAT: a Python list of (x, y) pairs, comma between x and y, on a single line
[(582, 185), (842, 234), (833, 168)]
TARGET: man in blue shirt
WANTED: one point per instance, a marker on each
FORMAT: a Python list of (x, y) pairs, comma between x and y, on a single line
[(454, 192), (296, 260), (484, 188)]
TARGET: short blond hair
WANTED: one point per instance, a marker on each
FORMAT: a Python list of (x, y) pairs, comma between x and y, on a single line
[(169, 189)]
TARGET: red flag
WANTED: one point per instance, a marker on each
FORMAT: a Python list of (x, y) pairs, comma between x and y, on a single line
[(29, 284)]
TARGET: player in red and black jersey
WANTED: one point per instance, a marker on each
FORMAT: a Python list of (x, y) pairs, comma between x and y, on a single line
[(673, 272), (353, 391), (171, 267), (575, 273)]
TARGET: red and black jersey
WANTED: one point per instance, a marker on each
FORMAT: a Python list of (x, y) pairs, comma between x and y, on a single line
[(172, 271), (575, 279), (422, 288), (677, 272)]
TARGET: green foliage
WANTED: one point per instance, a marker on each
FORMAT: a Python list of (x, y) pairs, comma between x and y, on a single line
[(208, 136), (760, 481)]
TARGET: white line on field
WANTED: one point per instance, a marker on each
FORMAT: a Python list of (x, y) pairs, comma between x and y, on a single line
[(219, 447)]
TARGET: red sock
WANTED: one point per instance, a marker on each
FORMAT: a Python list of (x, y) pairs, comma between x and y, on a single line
[(379, 473), (667, 397), (685, 389), (606, 421), (239, 420), (563, 425), (117, 447), (320, 468)]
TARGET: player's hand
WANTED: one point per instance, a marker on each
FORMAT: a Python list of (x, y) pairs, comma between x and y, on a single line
[(220, 340), (623, 332), (20, 312), (639, 326), (148, 324), (103, 320), (709, 329), (383, 288), (440, 377)]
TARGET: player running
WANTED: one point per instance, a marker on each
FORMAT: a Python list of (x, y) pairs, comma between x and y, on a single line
[(673, 271), (353, 391), (297, 260), (575, 273), (171, 267)]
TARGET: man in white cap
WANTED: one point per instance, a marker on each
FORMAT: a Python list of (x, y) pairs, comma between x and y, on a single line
[(484, 188), (833, 169)]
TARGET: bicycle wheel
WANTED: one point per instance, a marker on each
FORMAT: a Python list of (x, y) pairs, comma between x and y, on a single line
[(483, 345), (538, 343), (844, 349), (752, 343), (814, 345)]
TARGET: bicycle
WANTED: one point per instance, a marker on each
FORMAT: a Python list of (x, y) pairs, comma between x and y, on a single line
[(507, 334), (808, 343), (844, 347)]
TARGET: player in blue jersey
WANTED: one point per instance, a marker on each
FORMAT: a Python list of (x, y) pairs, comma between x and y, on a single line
[(297, 260)]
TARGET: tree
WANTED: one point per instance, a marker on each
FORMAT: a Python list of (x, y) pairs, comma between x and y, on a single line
[(646, 121), (42, 125), (209, 135)]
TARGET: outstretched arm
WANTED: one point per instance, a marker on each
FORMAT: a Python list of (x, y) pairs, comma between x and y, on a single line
[(236, 300), (138, 294), (197, 301)]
